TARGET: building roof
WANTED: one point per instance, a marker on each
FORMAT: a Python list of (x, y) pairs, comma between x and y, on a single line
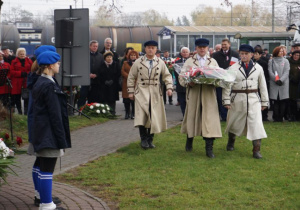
[(182, 30)]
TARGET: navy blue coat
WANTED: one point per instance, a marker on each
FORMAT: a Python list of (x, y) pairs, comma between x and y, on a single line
[(50, 127), (31, 80)]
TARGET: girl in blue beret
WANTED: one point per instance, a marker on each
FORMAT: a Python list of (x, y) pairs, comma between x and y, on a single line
[(31, 80), (50, 127)]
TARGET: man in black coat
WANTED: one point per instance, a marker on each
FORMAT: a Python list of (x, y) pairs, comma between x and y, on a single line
[(258, 58), (96, 59), (225, 58)]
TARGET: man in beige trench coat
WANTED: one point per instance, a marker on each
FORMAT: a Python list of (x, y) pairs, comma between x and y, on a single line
[(150, 114), (201, 116), (244, 103)]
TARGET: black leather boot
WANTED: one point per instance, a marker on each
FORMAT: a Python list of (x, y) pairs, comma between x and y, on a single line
[(144, 137), (209, 142), (231, 140), (256, 149), (127, 110), (132, 109), (150, 139), (189, 144)]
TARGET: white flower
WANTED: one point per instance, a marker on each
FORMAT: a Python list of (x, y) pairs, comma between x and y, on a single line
[(108, 108), (104, 111), (4, 150), (102, 105), (97, 105), (98, 111), (92, 107)]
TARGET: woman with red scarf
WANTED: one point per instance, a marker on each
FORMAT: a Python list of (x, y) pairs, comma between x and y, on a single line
[(20, 67), (4, 89)]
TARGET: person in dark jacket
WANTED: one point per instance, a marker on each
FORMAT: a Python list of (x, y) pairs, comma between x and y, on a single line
[(90, 92), (50, 127), (108, 47), (31, 80), (4, 89), (8, 58), (294, 91), (181, 91), (225, 58), (257, 57), (109, 81)]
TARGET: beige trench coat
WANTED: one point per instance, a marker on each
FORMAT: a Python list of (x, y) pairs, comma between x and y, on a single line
[(244, 117), (148, 93), (201, 116)]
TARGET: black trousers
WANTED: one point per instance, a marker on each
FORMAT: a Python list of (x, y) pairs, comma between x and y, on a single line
[(84, 91), (16, 100), (113, 107), (164, 90), (182, 101), (279, 109), (46, 164), (293, 110), (4, 99)]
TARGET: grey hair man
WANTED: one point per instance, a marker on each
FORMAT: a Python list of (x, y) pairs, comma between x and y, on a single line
[(108, 42)]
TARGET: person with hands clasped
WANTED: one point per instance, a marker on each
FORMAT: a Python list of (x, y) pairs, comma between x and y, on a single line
[(20, 67), (279, 69), (144, 87), (244, 103)]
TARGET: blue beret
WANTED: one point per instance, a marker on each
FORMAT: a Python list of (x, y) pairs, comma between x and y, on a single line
[(48, 57), (202, 42), (44, 48), (151, 43), (246, 48)]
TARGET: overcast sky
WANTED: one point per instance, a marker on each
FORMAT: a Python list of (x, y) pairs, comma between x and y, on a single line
[(172, 8)]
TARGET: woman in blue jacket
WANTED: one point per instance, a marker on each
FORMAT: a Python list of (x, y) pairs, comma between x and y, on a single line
[(50, 126)]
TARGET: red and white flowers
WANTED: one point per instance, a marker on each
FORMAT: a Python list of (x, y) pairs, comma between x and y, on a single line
[(97, 110), (211, 75)]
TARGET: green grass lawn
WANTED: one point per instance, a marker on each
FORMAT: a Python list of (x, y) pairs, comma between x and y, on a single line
[(167, 177)]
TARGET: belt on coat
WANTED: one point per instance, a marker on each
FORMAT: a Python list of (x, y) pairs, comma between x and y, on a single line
[(147, 83), (247, 91)]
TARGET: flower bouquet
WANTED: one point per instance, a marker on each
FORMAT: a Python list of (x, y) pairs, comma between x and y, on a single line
[(170, 64), (210, 75), (97, 110), (5, 160)]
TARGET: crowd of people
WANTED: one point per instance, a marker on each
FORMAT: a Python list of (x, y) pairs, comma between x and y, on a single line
[(262, 81), (109, 73)]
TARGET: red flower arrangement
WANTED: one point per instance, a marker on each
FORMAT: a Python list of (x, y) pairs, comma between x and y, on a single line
[(19, 140), (97, 110), (211, 75), (170, 63)]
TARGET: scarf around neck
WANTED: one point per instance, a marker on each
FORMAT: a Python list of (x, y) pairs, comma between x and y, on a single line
[(108, 64), (22, 61)]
